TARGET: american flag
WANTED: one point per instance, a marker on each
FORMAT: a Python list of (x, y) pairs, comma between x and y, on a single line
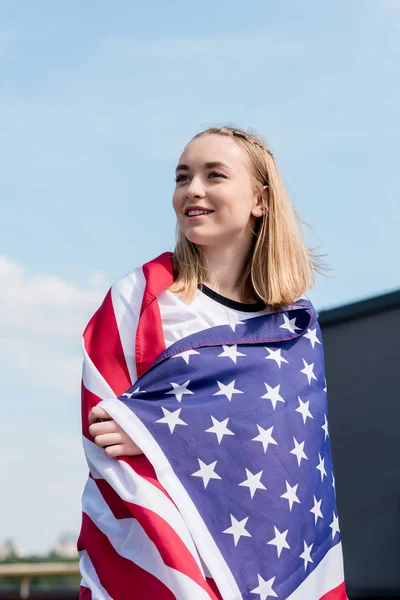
[(235, 496)]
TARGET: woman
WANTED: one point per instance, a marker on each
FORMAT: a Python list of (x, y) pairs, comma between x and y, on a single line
[(264, 521)]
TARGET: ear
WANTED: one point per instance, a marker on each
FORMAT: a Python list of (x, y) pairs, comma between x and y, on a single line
[(261, 203)]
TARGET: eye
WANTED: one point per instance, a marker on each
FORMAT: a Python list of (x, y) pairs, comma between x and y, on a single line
[(214, 174), (179, 178)]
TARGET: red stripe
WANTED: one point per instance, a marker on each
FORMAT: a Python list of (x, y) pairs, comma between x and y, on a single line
[(104, 347), (150, 341), (119, 576), (88, 401), (103, 344), (85, 593), (214, 588), (339, 593), (143, 467), (173, 551), (140, 464)]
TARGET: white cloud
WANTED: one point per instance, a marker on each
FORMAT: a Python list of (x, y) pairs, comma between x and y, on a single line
[(41, 319), (48, 468)]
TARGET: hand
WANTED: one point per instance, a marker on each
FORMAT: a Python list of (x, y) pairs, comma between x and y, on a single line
[(109, 435)]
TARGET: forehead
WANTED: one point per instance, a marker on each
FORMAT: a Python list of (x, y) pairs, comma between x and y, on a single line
[(214, 148)]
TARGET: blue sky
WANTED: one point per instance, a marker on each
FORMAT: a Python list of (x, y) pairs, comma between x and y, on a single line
[(96, 103)]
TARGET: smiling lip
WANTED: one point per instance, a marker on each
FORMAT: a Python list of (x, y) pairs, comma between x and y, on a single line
[(194, 217), (195, 207)]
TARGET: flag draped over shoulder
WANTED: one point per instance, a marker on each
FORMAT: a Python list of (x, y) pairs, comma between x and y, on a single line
[(234, 496)]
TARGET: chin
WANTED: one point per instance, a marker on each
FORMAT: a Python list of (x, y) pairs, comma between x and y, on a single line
[(200, 240)]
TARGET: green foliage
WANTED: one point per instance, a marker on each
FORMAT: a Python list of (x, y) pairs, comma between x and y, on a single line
[(37, 558)]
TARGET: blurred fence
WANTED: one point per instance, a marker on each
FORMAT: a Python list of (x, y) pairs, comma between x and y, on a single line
[(42, 595), (20, 580), (17, 581)]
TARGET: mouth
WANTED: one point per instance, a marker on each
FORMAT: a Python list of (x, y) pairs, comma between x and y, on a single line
[(193, 215)]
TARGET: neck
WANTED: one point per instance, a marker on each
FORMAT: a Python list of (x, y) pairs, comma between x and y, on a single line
[(223, 269)]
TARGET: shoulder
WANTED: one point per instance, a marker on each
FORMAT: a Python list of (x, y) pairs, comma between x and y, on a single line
[(123, 298), (129, 288), (150, 279), (126, 293)]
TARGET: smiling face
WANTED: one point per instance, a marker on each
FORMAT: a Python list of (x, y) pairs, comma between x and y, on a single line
[(214, 174)]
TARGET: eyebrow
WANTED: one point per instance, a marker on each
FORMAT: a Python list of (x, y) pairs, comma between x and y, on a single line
[(208, 165)]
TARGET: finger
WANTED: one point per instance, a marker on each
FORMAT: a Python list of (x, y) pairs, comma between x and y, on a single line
[(114, 451), (97, 413), (107, 439), (104, 427)]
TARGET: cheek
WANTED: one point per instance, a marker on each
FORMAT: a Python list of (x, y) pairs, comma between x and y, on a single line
[(177, 200), (238, 207)]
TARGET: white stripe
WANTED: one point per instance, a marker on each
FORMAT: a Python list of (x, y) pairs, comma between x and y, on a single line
[(204, 541), (92, 378), (129, 540), (133, 488), (128, 484), (90, 579), (327, 576), (127, 295)]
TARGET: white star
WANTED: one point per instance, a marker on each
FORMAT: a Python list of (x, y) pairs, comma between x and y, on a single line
[(227, 390), (186, 355), (231, 352), (290, 494), (206, 472), (303, 409), (265, 437), (309, 371), (312, 336), (171, 418), (289, 324), (298, 451), (220, 428), (237, 529), (325, 427), (253, 482), (276, 356), (334, 525), (321, 467), (233, 325), (179, 390), (264, 588), (306, 555), (325, 388), (316, 509), (273, 395), (279, 541), (137, 391), (333, 482)]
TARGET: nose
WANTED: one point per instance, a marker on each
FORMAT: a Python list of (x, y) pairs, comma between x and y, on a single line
[(195, 189)]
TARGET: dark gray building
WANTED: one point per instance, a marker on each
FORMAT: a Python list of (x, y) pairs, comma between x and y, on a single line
[(363, 375)]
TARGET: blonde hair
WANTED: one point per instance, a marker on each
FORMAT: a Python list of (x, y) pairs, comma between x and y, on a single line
[(280, 268)]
